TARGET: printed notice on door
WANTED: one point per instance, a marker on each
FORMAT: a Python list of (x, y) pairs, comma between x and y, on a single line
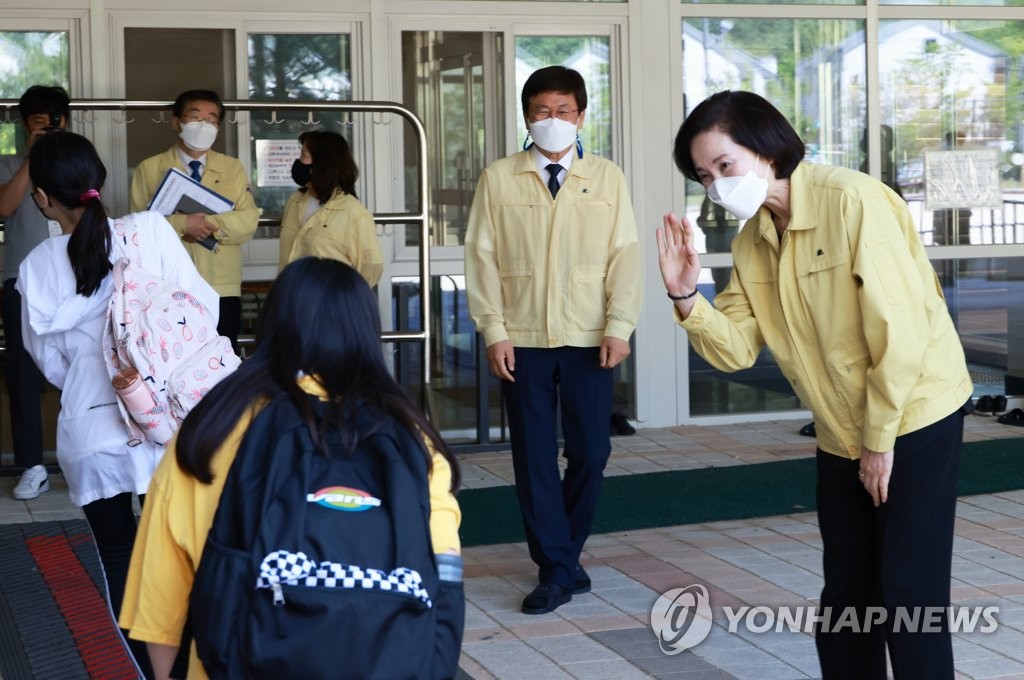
[(274, 158)]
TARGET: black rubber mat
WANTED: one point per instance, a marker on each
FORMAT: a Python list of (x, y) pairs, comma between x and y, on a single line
[(54, 618)]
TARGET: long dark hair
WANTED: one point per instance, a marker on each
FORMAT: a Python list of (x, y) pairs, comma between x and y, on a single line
[(320, 318), (66, 166), (333, 165)]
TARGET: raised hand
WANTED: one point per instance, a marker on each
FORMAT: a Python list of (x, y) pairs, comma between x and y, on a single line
[(677, 257)]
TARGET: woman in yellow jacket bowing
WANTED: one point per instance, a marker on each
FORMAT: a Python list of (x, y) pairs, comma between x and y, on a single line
[(324, 217)]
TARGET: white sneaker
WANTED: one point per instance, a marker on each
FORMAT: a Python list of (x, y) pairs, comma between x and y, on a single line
[(34, 481)]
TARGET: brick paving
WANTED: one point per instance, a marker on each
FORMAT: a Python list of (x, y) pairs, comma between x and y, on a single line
[(771, 562)]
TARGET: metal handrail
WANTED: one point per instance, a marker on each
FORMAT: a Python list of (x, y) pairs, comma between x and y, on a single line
[(9, 107)]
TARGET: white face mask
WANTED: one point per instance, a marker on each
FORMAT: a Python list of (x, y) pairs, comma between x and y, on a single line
[(742, 196), (553, 134), (197, 135)]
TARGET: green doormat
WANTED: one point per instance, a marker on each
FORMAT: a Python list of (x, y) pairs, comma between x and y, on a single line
[(659, 499)]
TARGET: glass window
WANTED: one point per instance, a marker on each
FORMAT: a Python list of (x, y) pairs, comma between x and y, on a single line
[(986, 299), (952, 93), (787, 2), (461, 402), (293, 66), (813, 70), (961, 3), (30, 58), (589, 56)]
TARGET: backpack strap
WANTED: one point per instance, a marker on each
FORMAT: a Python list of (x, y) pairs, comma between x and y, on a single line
[(407, 474), (250, 482), (257, 471), (126, 238), (125, 232)]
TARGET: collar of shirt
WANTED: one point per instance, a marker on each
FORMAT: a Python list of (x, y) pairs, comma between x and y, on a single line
[(542, 162), (186, 159)]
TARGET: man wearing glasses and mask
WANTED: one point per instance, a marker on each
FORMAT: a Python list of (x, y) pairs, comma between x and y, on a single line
[(213, 241), (43, 109), (553, 284)]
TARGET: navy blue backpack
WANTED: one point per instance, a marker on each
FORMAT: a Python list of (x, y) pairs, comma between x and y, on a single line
[(321, 566)]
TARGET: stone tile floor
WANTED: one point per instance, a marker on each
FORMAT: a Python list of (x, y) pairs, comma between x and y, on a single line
[(771, 562)]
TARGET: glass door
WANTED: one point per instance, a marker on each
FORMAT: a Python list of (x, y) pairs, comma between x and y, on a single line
[(464, 86), (453, 81)]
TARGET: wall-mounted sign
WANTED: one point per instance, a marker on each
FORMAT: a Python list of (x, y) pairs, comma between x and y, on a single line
[(274, 158), (966, 178)]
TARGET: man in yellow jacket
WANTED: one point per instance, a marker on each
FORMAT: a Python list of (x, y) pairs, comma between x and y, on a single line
[(553, 284), (213, 241)]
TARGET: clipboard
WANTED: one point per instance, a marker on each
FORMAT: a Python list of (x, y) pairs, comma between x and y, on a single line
[(179, 193)]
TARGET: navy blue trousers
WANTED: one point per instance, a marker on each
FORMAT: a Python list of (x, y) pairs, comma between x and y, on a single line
[(558, 513), (896, 555), (24, 385)]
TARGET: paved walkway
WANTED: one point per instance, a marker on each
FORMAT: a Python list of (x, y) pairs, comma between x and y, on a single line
[(771, 562)]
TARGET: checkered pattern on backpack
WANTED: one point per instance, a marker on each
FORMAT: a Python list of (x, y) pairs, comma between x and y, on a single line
[(296, 569)]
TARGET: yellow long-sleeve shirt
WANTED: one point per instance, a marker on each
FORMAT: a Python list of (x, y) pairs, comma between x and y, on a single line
[(849, 306), (543, 272), (341, 229), (222, 268), (177, 517)]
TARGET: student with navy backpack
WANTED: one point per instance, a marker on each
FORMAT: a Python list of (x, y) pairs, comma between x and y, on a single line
[(66, 284), (305, 524)]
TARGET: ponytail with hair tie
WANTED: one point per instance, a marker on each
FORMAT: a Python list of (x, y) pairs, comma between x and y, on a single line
[(86, 195)]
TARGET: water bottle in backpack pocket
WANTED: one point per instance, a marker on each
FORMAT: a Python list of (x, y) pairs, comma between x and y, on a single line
[(164, 333)]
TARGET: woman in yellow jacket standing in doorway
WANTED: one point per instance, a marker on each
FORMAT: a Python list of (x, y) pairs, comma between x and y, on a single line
[(324, 217)]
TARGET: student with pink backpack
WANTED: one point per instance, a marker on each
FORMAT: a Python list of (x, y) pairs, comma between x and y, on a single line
[(66, 284)]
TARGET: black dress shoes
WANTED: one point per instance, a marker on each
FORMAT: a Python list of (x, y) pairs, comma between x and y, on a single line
[(989, 405), (621, 426), (582, 583), (547, 597)]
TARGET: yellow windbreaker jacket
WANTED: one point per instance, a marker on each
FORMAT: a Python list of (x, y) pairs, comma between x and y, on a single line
[(341, 229), (850, 308), (222, 268), (552, 273)]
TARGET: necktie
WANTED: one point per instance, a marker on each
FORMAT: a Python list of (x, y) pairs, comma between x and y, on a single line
[(553, 185), (195, 165)]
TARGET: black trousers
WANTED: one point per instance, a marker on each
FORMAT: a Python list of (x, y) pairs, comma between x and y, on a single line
[(230, 322), (896, 555), (113, 525), (24, 385), (558, 513)]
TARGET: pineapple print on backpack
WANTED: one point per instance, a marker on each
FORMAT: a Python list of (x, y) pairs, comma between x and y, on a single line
[(167, 336)]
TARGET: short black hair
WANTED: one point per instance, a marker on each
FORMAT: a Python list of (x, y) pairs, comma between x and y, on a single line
[(555, 79), (48, 99), (751, 121), (189, 96)]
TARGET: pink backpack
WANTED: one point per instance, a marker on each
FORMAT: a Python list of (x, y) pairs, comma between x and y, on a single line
[(165, 333)]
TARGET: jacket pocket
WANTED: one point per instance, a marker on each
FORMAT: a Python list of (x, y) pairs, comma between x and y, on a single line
[(824, 263), (828, 283), (587, 298), (518, 289), (847, 368)]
